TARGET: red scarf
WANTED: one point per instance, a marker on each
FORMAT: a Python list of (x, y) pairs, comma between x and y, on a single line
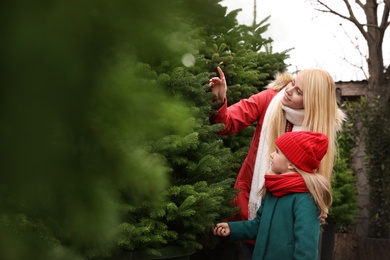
[(282, 184)]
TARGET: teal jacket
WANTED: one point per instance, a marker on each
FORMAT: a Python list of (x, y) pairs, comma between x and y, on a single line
[(285, 228)]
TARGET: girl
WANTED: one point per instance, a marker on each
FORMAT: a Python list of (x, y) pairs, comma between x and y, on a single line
[(287, 224)]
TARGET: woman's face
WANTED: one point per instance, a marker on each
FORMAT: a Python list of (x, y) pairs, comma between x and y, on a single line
[(293, 94)]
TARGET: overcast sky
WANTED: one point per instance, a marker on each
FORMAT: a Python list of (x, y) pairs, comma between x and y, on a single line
[(318, 39)]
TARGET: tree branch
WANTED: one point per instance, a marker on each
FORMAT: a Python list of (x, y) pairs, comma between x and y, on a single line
[(358, 48), (358, 2), (385, 16), (351, 18)]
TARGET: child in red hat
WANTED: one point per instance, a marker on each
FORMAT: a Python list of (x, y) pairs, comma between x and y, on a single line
[(287, 224)]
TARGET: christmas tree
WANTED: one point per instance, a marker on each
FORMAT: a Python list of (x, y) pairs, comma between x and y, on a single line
[(203, 165)]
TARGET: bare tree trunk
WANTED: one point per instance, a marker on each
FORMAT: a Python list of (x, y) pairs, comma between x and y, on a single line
[(374, 36), (373, 32)]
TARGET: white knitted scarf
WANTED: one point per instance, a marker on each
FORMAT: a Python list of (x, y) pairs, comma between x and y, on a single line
[(261, 163)]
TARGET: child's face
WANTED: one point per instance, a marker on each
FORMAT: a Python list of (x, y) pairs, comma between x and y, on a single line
[(293, 95), (279, 162)]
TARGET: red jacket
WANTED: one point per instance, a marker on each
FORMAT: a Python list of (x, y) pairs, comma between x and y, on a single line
[(235, 118)]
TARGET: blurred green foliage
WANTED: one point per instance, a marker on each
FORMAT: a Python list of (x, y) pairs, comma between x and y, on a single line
[(75, 112)]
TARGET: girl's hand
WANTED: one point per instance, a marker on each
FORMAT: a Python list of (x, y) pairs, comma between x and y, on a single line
[(218, 86), (222, 229)]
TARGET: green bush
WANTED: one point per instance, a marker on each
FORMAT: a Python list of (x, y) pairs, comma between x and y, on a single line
[(344, 187), (371, 122), (377, 150)]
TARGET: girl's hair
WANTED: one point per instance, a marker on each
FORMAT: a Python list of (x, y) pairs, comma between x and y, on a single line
[(319, 188), (321, 114)]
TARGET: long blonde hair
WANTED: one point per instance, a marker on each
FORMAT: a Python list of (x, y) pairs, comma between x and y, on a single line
[(321, 114), (319, 188)]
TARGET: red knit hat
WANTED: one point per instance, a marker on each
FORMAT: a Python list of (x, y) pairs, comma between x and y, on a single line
[(304, 149)]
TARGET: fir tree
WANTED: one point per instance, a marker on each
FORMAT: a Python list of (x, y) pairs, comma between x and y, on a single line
[(202, 166)]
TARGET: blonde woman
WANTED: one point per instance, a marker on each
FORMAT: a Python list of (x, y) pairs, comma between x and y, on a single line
[(306, 102), (287, 224)]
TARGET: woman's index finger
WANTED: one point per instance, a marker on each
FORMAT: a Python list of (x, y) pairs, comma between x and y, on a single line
[(220, 72)]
